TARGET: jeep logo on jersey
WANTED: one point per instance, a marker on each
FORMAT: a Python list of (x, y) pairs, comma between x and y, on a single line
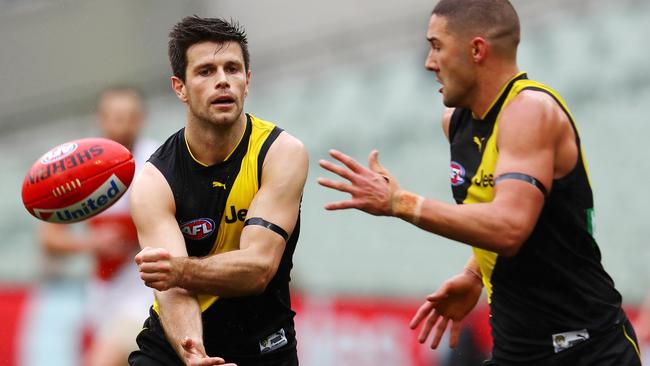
[(197, 229), (457, 174)]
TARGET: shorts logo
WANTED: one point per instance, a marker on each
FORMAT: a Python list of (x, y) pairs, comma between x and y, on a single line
[(457, 174), (58, 153), (274, 341), (562, 341), (197, 229)]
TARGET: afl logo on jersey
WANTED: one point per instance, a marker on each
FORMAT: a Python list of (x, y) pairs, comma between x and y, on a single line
[(197, 229), (457, 174)]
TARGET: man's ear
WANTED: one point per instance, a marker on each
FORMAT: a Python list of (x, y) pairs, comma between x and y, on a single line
[(179, 88), (479, 49), (248, 81)]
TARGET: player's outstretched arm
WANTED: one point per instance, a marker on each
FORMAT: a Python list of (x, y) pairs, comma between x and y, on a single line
[(528, 138), (249, 270), (455, 298), (152, 207)]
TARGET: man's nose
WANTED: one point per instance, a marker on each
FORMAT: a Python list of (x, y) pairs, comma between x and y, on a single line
[(221, 80), (430, 63)]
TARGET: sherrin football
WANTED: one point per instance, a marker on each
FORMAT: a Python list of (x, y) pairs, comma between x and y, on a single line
[(77, 180)]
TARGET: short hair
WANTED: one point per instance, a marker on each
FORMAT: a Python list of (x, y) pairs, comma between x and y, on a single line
[(193, 30), (497, 20)]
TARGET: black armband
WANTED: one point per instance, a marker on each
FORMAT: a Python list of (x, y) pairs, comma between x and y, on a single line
[(523, 177), (269, 225)]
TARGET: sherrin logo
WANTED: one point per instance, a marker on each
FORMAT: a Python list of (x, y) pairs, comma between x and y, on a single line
[(457, 174), (109, 192), (58, 153), (197, 229)]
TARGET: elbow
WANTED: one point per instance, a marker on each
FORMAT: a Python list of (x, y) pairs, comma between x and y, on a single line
[(511, 240), (509, 247), (261, 279)]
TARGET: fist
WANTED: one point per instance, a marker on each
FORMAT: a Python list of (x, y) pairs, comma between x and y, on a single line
[(158, 269)]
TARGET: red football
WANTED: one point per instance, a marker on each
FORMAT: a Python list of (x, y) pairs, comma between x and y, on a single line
[(77, 180)]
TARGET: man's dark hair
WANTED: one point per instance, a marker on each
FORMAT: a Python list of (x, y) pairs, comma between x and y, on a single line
[(496, 20), (193, 30)]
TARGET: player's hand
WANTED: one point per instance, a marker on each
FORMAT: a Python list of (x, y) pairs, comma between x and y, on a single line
[(452, 301), (373, 189), (158, 269), (194, 354)]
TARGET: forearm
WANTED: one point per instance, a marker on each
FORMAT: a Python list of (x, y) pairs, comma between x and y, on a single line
[(58, 241), (482, 225), (180, 316), (231, 274)]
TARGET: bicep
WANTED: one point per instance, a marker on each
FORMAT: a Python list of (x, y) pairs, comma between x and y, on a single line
[(526, 145), (152, 208), (278, 199)]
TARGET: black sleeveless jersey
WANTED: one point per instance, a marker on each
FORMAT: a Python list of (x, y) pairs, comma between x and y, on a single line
[(554, 292), (211, 206)]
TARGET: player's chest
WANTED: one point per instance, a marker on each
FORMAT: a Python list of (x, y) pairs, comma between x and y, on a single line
[(211, 208), (473, 160)]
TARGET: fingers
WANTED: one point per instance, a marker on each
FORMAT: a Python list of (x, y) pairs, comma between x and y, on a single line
[(157, 274), (207, 361), (336, 169), (441, 294), (155, 267), (342, 205), (196, 357), (339, 186), (455, 334), (348, 161), (426, 329), (440, 330), (151, 255), (188, 345), (373, 162), (422, 312)]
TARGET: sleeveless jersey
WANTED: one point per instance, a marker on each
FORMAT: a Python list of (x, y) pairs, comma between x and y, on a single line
[(556, 283), (211, 206)]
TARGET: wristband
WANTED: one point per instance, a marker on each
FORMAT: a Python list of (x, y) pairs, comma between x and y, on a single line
[(407, 206)]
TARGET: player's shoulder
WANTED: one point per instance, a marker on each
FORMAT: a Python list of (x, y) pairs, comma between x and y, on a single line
[(531, 93), (446, 120), (536, 111), (284, 142), (149, 181)]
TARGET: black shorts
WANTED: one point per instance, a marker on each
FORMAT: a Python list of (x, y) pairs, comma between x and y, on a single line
[(618, 347), (155, 350)]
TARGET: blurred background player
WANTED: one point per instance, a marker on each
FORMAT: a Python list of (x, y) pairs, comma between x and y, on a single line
[(116, 298)]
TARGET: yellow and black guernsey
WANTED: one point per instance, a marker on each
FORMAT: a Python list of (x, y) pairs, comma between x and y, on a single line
[(554, 292), (211, 206)]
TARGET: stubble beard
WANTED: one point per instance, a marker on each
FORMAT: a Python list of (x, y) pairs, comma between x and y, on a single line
[(218, 120)]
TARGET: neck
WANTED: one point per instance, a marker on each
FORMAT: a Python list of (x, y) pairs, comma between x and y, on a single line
[(211, 144), (489, 85)]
